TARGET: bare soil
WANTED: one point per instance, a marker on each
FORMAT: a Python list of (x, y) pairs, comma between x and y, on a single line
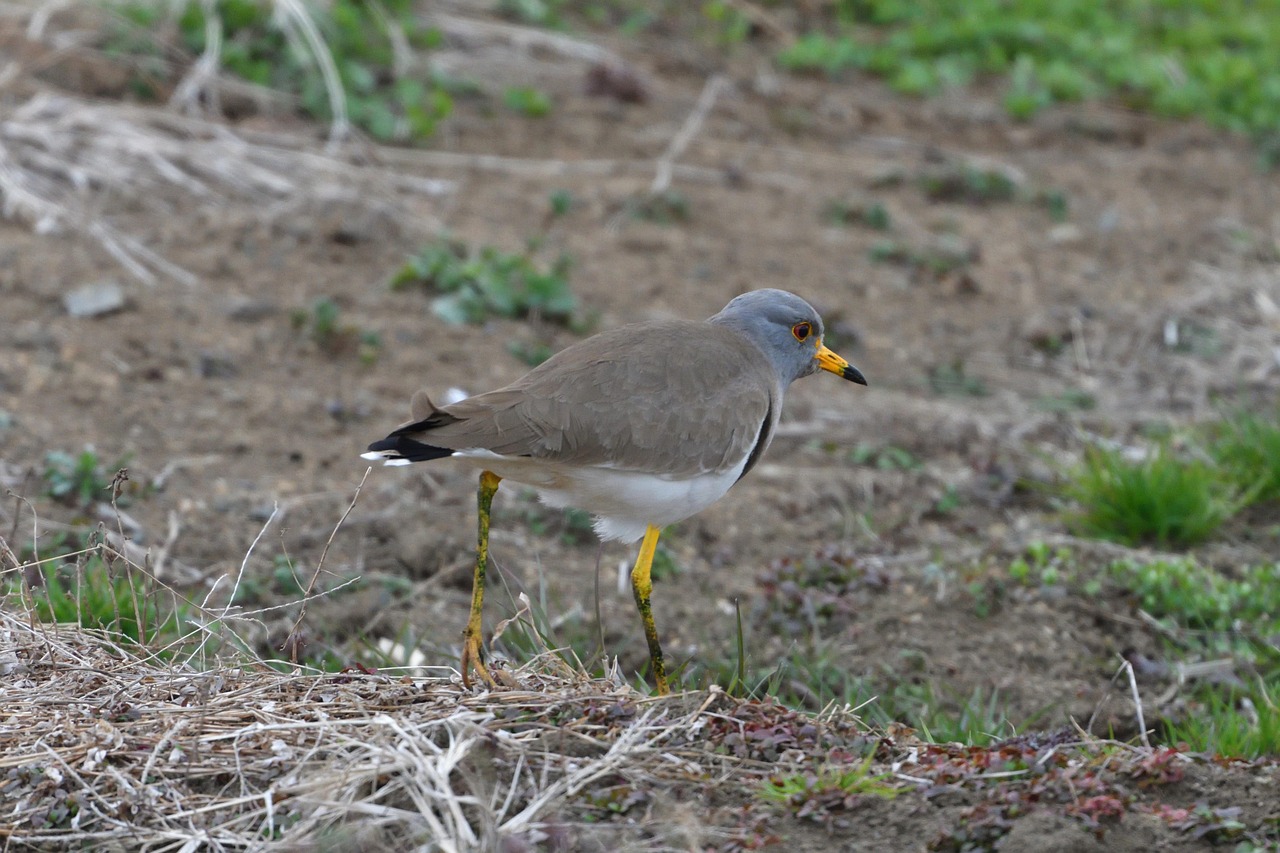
[(223, 411)]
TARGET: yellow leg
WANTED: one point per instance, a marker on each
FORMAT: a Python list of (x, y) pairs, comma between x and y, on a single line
[(642, 586), (472, 654)]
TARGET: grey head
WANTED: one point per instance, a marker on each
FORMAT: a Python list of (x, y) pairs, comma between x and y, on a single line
[(788, 331)]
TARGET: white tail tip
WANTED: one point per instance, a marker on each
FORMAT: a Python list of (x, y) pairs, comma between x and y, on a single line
[(384, 457)]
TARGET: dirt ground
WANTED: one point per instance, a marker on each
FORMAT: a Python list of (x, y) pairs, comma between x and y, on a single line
[(1153, 300)]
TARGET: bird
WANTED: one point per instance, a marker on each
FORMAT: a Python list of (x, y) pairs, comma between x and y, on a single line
[(642, 426)]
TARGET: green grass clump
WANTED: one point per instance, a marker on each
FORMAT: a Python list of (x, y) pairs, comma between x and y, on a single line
[(1247, 446), (1161, 500), (90, 595), (1176, 58), (364, 42), (471, 287), (1235, 724)]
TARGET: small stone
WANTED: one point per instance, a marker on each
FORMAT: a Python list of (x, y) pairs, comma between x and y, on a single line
[(250, 310), (213, 365), (1067, 232), (94, 300)]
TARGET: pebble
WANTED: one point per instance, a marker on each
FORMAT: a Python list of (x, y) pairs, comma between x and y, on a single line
[(94, 300)]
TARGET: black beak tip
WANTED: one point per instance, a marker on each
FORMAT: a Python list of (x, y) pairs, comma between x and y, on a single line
[(853, 374)]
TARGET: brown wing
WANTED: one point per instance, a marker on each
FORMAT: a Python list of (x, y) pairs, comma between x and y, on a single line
[(680, 397)]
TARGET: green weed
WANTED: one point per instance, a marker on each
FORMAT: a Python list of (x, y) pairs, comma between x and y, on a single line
[(559, 203), (78, 480), (855, 211), (968, 185), (666, 208), (884, 457), (527, 101), (731, 26), (531, 354), (811, 793), (1161, 499), (323, 325), (471, 287)]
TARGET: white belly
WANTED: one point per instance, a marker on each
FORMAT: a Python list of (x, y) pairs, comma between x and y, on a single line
[(623, 502)]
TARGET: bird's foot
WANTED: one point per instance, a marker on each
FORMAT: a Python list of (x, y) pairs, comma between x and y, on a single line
[(473, 656)]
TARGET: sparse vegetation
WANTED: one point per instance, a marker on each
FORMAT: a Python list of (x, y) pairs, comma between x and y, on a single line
[(954, 380), (87, 591), (78, 479), (892, 685), (1203, 599), (369, 48), (1176, 60), (857, 211), (527, 101), (669, 207), (816, 794), (472, 286), (323, 326)]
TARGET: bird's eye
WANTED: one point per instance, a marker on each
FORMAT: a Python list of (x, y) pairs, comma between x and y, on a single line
[(801, 331)]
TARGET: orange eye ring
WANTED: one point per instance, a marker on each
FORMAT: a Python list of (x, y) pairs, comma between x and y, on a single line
[(801, 331)]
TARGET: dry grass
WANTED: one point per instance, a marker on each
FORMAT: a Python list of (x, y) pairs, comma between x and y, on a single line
[(98, 740)]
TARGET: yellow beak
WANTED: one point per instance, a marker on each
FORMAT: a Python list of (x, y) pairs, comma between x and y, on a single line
[(833, 363)]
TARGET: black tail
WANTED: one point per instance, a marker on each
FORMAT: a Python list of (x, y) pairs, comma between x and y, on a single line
[(397, 446)]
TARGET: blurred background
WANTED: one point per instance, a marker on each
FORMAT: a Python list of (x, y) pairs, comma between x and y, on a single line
[(238, 236)]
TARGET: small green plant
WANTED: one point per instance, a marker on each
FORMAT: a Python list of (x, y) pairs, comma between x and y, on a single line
[(1161, 499), (1247, 446), (968, 185), (559, 203), (854, 211), (886, 457), (731, 25), (948, 502), (322, 324), (666, 208), (1040, 564), (77, 479), (538, 13), (471, 287), (531, 354), (1055, 202), (527, 101), (814, 794)]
